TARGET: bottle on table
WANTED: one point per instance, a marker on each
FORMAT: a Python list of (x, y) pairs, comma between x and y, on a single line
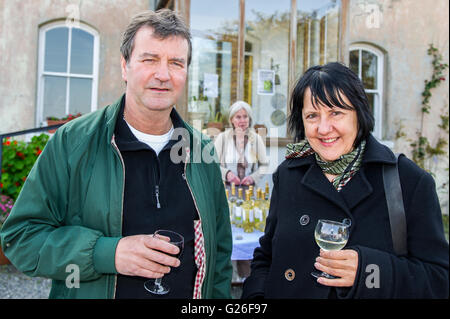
[(258, 210), (232, 201), (248, 220), (238, 209)]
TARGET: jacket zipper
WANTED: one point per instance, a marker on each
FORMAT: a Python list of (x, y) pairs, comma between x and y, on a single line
[(158, 205), (196, 207), (157, 180), (123, 195)]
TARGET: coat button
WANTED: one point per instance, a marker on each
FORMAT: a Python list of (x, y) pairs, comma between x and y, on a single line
[(304, 220), (289, 274)]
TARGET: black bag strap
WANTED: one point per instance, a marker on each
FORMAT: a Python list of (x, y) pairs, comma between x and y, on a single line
[(394, 199)]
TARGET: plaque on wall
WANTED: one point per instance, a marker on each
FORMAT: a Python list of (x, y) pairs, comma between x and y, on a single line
[(278, 118), (278, 101)]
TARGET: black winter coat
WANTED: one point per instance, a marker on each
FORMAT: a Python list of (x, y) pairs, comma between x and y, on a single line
[(302, 195)]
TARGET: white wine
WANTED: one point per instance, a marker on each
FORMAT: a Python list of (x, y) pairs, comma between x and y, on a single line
[(238, 209), (232, 202), (329, 244)]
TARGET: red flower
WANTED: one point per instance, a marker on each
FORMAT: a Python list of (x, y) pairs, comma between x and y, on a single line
[(17, 184), (20, 154), (442, 79), (24, 178), (1, 185), (38, 152), (7, 143)]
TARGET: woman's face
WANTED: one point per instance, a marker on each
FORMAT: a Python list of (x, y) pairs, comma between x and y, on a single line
[(331, 132), (240, 120)]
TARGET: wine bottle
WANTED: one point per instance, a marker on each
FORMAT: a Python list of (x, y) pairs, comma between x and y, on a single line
[(232, 202), (248, 221), (238, 209)]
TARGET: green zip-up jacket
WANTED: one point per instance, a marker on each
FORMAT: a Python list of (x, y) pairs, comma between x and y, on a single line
[(67, 220)]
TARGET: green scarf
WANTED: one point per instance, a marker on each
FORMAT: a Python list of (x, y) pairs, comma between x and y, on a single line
[(344, 167)]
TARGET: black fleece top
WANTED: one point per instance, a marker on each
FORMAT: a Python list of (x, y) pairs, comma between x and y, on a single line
[(156, 197)]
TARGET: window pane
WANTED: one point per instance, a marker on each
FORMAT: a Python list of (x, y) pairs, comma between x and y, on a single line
[(317, 33), (371, 98), (54, 96), (369, 70), (56, 41), (266, 69), (81, 58), (80, 96), (213, 70), (354, 61)]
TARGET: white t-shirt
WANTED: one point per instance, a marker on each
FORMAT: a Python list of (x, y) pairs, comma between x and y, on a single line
[(156, 142)]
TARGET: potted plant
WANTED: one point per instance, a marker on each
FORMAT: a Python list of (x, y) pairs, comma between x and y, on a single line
[(51, 120), (6, 204)]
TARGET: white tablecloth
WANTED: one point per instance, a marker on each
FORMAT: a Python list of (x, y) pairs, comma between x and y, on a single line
[(244, 243)]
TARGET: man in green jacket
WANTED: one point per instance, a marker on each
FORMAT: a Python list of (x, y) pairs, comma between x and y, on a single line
[(107, 181)]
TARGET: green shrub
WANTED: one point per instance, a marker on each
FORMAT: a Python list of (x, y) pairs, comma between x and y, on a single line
[(18, 159)]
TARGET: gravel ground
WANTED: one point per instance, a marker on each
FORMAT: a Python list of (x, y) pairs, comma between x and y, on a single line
[(16, 285)]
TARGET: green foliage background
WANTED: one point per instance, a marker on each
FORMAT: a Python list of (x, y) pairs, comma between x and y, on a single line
[(18, 159)]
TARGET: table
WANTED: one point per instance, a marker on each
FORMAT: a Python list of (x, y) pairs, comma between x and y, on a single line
[(244, 243)]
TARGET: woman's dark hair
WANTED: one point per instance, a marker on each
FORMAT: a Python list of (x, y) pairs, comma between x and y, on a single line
[(327, 84)]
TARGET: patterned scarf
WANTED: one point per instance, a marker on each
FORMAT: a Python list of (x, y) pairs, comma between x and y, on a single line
[(344, 167), (242, 161)]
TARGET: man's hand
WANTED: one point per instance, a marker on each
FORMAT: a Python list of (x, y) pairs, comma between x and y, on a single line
[(145, 256), (339, 263)]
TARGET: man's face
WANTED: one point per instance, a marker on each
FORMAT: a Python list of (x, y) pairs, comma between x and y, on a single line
[(157, 70)]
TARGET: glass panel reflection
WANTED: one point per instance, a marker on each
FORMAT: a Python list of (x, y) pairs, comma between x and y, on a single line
[(81, 58), (267, 61), (371, 98), (317, 33), (56, 43), (54, 96), (213, 70), (80, 96), (369, 70), (354, 61)]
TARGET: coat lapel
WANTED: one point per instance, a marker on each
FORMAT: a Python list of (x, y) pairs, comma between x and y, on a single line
[(357, 189), (315, 180)]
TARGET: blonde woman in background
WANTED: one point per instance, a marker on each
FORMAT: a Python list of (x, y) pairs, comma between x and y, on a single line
[(241, 150)]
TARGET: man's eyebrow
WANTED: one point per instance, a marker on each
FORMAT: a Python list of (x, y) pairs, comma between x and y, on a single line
[(153, 55), (148, 54), (181, 60)]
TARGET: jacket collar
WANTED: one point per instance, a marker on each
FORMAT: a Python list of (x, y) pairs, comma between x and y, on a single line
[(116, 125)]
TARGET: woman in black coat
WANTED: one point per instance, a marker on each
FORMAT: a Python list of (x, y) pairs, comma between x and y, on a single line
[(334, 172)]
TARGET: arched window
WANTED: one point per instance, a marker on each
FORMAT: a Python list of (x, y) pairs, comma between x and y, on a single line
[(67, 70), (368, 63)]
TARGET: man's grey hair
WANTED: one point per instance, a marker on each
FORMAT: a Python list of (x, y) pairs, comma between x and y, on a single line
[(165, 23)]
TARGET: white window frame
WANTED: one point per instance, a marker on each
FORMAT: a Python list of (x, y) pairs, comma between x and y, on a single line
[(40, 120), (378, 93)]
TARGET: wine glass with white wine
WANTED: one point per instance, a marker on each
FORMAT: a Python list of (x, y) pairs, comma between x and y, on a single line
[(330, 235)]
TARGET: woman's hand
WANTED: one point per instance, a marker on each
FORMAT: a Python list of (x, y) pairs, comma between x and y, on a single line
[(339, 263), (232, 178), (247, 180)]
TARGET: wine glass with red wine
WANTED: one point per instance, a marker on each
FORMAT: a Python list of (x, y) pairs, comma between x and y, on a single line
[(156, 286)]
